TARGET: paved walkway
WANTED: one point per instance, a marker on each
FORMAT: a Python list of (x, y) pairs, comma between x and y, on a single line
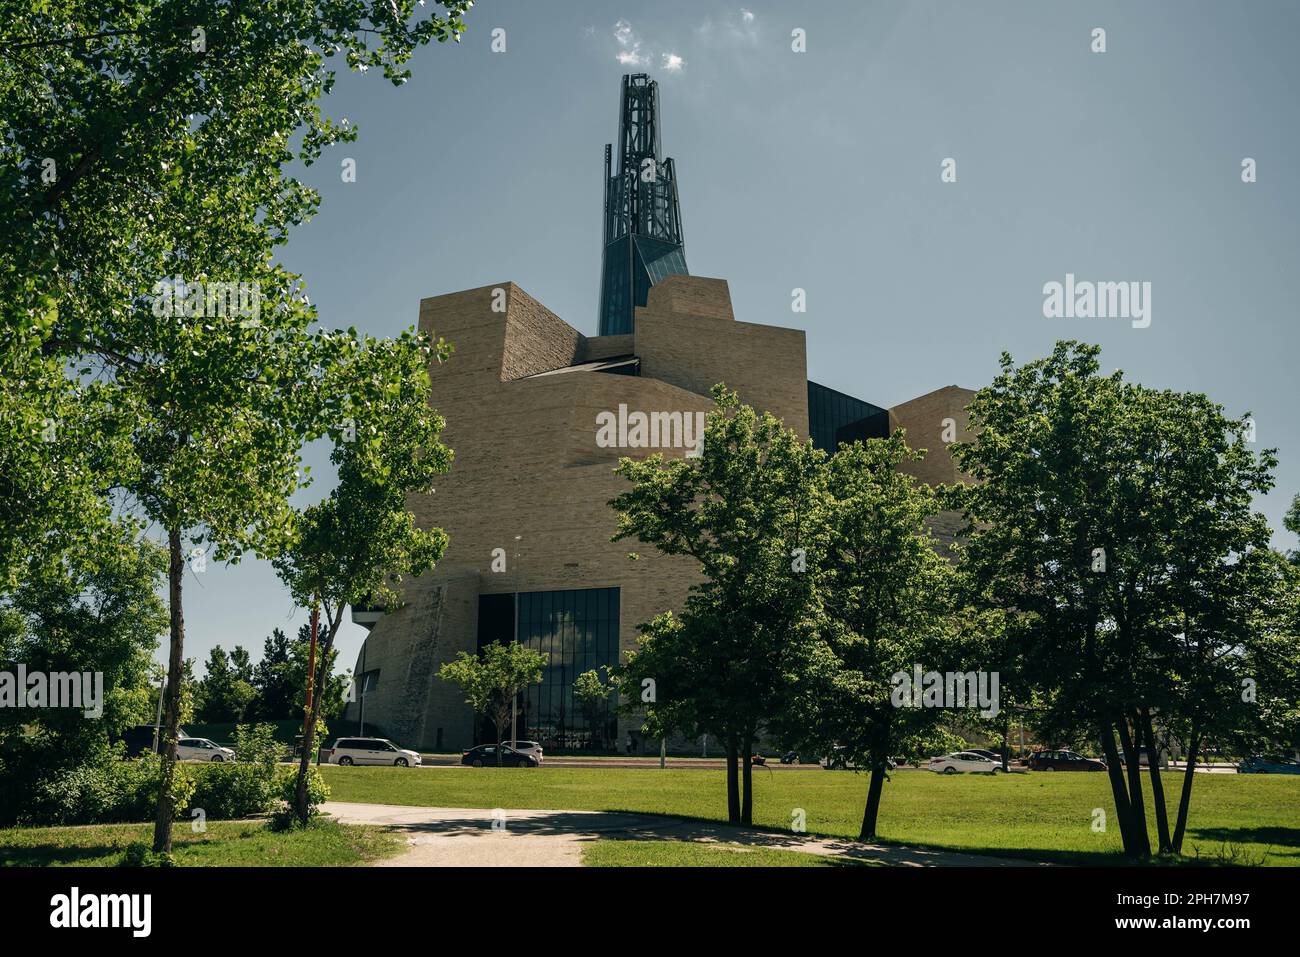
[(466, 837)]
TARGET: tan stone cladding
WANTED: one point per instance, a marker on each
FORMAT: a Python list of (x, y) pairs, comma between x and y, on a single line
[(530, 479)]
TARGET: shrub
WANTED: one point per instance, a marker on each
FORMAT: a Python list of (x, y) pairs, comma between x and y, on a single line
[(318, 792), (140, 854), (104, 790), (246, 786)]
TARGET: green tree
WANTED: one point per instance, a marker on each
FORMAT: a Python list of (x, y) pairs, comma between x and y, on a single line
[(361, 542), (741, 510), (96, 611), (148, 142), (1291, 522), (1114, 524), (274, 678), (890, 605), (593, 694), (223, 693), (492, 680)]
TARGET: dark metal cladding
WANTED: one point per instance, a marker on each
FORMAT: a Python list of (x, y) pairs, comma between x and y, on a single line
[(643, 220)]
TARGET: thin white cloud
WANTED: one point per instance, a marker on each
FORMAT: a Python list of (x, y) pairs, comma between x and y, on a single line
[(740, 27), (632, 51)]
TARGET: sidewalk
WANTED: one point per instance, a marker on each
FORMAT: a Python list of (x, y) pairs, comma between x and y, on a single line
[(467, 837)]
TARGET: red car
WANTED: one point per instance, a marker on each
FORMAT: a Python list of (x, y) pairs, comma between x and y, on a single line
[(1063, 761)]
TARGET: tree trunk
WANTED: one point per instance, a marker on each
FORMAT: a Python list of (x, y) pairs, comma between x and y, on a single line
[(1133, 771), (301, 808), (1157, 785), (1185, 799), (733, 783), (1123, 813), (872, 810), (747, 784), (166, 809)]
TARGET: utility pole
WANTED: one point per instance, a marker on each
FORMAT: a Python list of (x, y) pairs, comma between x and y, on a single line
[(663, 753), (514, 699)]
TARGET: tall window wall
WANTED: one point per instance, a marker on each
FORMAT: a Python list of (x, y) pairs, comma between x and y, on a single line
[(577, 631)]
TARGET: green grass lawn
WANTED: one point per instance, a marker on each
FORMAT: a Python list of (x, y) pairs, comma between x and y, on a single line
[(1036, 816), (693, 854), (224, 844)]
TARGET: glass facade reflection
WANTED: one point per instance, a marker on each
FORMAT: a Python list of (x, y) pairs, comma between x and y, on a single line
[(835, 417), (577, 631)]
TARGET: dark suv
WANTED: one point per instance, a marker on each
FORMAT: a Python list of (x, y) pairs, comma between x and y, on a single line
[(1063, 761)]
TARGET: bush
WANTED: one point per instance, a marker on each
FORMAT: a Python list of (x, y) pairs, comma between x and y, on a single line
[(246, 786), (318, 792), (140, 854), (105, 790)]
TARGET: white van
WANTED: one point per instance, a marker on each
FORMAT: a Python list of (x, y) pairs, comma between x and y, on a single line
[(349, 751)]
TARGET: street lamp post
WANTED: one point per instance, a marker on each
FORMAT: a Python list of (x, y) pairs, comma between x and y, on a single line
[(514, 699)]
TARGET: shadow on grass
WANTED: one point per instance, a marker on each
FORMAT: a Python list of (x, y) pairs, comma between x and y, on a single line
[(53, 852), (1278, 836), (636, 826)]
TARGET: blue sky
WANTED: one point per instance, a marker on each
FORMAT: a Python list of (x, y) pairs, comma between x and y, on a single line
[(821, 170)]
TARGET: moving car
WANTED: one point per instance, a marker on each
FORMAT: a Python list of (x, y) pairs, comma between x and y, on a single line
[(201, 749), (964, 761), (1269, 764), (485, 755), (1063, 761), (349, 751)]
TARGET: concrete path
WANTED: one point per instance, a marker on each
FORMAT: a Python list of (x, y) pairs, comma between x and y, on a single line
[(466, 837)]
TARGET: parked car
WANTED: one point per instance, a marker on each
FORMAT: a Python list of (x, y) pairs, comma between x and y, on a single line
[(1269, 764), (202, 749), (790, 757), (964, 761), (991, 755), (530, 748), (1144, 758), (1063, 761), (139, 738), (485, 755), (837, 761), (349, 751)]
